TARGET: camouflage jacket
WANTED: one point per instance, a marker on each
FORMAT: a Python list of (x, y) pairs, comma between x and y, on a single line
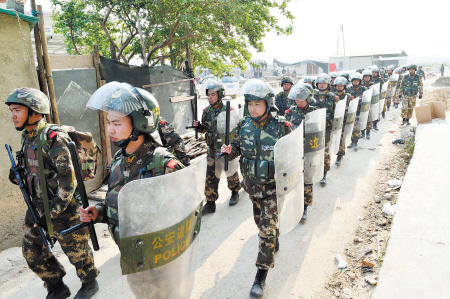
[(367, 83), (349, 98), (296, 115), (209, 125), (173, 141), (357, 92), (421, 74), (147, 161), (282, 102), (379, 80), (328, 101), (411, 85), (255, 143), (397, 91), (59, 172)]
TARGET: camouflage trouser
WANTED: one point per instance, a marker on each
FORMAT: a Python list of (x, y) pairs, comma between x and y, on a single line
[(408, 104), (308, 194), (387, 104), (396, 99), (212, 178), (369, 125), (327, 157), (356, 134), (75, 246)]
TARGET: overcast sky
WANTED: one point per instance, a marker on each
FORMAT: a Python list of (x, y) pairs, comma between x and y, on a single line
[(421, 30)]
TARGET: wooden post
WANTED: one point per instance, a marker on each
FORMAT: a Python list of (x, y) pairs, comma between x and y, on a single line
[(51, 87), (105, 140)]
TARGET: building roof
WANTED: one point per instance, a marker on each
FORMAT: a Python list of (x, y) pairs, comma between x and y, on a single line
[(376, 55), (30, 19)]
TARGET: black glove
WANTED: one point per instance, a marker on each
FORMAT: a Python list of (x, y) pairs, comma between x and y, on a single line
[(420, 96), (12, 175)]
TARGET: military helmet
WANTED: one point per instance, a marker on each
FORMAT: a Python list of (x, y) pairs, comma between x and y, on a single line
[(420, 66), (367, 73), (216, 86), (341, 81), (123, 99), (382, 71), (286, 80), (398, 70), (333, 75), (357, 76), (375, 69), (310, 88), (29, 97), (391, 67), (359, 71), (412, 66), (308, 79), (323, 78), (345, 75), (300, 92), (255, 90)]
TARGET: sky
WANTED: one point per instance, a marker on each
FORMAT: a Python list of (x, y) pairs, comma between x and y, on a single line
[(420, 28)]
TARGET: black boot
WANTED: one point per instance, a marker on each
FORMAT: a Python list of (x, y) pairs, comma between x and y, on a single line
[(257, 290), (355, 147), (87, 290), (209, 208), (338, 160), (304, 214), (404, 122), (323, 181), (375, 125), (351, 145), (58, 291), (277, 246), (396, 105), (363, 133), (368, 134), (407, 122), (383, 114), (234, 198)]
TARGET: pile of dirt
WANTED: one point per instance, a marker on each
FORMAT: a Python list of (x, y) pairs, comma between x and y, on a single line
[(365, 250), (442, 82)]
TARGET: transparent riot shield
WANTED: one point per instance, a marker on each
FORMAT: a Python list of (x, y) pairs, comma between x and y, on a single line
[(233, 165), (288, 159), (350, 121), (374, 104), (160, 220), (383, 97), (364, 110), (336, 130), (314, 145), (392, 87)]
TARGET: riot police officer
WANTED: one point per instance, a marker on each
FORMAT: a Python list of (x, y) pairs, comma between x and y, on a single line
[(356, 90), (410, 86), (281, 100), (341, 92)]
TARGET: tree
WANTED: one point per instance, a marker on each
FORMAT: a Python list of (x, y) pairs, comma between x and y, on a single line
[(215, 34)]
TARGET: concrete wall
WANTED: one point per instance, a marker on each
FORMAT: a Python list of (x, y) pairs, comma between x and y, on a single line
[(17, 69)]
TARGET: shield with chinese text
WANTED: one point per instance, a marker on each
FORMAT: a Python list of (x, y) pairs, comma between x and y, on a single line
[(350, 120), (160, 221), (374, 104), (364, 109), (336, 130), (314, 145)]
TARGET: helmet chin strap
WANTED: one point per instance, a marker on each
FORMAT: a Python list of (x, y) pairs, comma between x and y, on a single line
[(258, 119), (124, 142), (26, 122), (216, 104)]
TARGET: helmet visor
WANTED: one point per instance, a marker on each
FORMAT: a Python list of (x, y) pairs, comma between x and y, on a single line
[(116, 98), (256, 88)]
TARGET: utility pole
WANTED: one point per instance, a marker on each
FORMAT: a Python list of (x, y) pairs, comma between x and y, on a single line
[(343, 42), (138, 21)]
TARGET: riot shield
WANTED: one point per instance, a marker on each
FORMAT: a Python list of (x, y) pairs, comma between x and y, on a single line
[(160, 220), (350, 122), (314, 145), (288, 159), (336, 130), (392, 87), (364, 110), (374, 104), (233, 165), (383, 97)]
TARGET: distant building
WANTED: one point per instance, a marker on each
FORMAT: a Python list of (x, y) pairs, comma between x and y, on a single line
[(3, 4), (362, 61), (303, 68)]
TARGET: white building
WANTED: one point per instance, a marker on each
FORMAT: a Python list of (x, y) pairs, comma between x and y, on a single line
[(361, 61)]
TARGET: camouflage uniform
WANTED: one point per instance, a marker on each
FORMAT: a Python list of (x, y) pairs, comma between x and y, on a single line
[(409, 87), (209, 125), (397, 91), (296, 115), (388, 98), (421, 74), (61, 186), (341, 151), (381, 81), (357, 92), (328, 101), (282, 102), (369, 125), (147, 161), (255, 142), (172, 140)]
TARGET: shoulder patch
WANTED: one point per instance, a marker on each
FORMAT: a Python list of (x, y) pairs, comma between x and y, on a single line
[(286, 112), (162, 122), (52, 134), (287, 123), (172, 163), (204, 109)]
